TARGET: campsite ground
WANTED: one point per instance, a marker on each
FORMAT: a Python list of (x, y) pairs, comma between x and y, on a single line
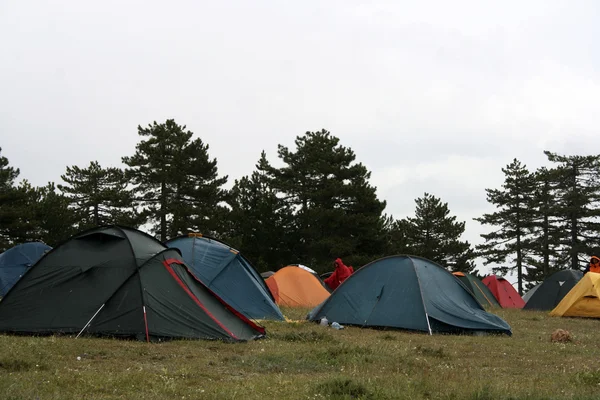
[(301, 360)]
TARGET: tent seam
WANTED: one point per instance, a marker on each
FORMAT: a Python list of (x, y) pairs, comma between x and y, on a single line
[(421, 293)]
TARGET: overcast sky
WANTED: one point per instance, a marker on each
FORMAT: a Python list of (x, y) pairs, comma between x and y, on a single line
[(433, 96)]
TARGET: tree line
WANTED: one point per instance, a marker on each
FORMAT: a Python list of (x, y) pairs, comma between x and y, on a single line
[(318, 206)]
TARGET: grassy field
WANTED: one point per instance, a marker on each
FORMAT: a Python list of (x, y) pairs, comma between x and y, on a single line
[(301, 360)]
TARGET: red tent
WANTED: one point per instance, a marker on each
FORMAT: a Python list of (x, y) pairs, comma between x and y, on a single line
[(504, 292)]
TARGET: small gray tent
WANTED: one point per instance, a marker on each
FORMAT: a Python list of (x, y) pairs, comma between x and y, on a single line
[(552, 290)]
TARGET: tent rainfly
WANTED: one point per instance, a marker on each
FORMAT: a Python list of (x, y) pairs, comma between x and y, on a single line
[(504, 292), (479, 290), (583, 300), (292, 286), (227, 273), (410, 293), (15, 261), (553, 289)]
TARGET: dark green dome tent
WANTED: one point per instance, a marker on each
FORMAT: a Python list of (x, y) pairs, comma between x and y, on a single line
[(552, 290), (479, 290), (407, 292), (227, 273), (114, 281)]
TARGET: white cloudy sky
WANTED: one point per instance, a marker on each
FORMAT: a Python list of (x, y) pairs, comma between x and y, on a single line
[(433, 96)]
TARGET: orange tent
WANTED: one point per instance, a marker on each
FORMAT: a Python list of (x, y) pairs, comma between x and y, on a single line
[(292, 286)]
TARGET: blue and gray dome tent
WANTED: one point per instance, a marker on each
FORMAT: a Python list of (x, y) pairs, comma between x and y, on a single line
[(227, 273), (408, 292), (15, 261)]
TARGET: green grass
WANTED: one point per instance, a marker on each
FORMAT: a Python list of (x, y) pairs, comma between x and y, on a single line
[(302, 360)]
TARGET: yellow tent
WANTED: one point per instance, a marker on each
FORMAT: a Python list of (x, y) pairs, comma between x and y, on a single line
[(293, 286), (583, 300)]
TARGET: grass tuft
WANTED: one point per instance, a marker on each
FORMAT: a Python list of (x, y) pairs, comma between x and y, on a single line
[(431, 351), (9, 365), (344, 349), (589, 378), (303, 336), (340, 388), (483, 393)]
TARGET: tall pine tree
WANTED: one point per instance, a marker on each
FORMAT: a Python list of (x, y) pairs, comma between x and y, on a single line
[(508, 243), (337, 212), (176, 182), (577, 206), (260, 220), (99, 196), (434, 234), (543, 256)]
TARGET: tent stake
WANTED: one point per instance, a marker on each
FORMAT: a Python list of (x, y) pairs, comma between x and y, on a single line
[(90, 321)]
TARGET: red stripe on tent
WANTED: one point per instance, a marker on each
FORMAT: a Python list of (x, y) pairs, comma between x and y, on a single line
[(257, 327), (196, 300), (146, 323), (254, 325)]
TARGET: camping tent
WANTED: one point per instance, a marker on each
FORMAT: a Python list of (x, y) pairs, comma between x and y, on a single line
[(411, 293), (479, 290), (296, 287), (583, 300), (504, 292), (314, 273), (530, 293), (15, 261), (114, 281), (552, 290), (228, 274)]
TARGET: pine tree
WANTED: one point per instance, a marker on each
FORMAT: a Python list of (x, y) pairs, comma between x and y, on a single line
[(30, 213), (99, 196), (543, 256), (261, 221), (511, 222), (55, 220), (435, 235), (337, 212), (577, 206), (25, 207), (42, 214), (397, 241), (12, 201), (176, 182), (8, 174)]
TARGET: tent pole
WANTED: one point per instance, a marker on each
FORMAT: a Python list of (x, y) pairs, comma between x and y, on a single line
[(428, 325), (90, 321), (146, 325)]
